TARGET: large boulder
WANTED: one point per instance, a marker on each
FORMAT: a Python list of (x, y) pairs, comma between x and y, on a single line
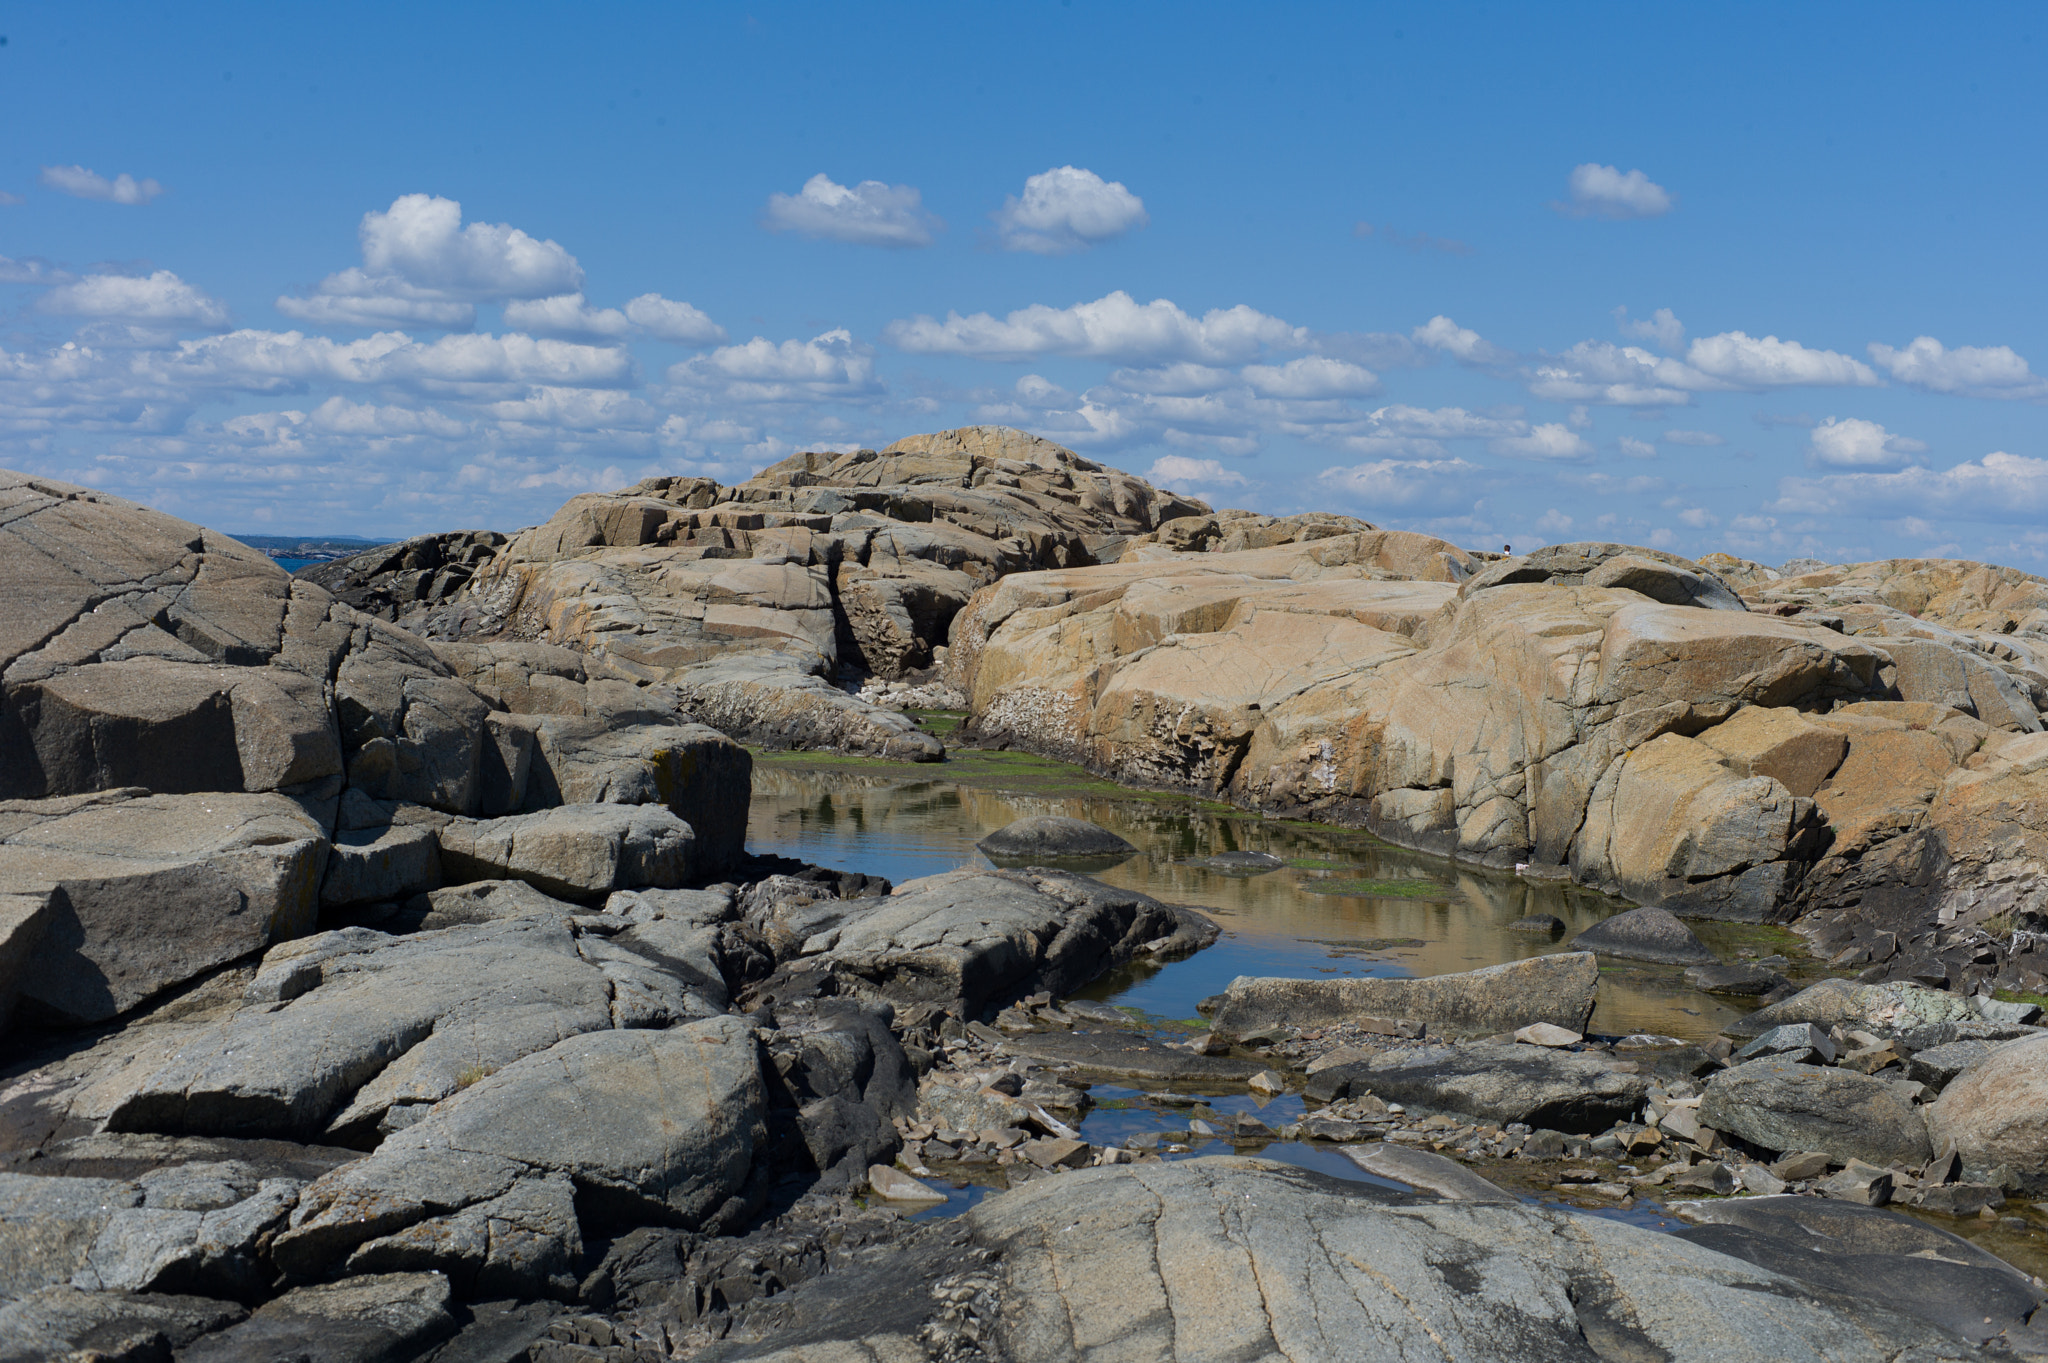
[(1783, 1105), (145, 892), (1893, 1006), (1647, 934), (1232, 1257), (971, 941), (1556, 989), (1048, 837), (1996, 1112), (699, 774), (493, 1185)]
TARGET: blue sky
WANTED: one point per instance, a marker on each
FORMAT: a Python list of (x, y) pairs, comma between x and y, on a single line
[(1353, 257)]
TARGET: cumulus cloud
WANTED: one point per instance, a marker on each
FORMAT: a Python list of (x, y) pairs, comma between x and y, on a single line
[(832, 365), (1973, 371), (32, 270), (1998, 487), (1171, 469), (265, 361), (1421, 485), (1702, 439), (1552, 440), (1445, 423), (1661, 328), (870, 213), (1637, 449), (1745, 361), (161, 298), (1113, 327), (423, 267), (1599, 191), (1311, 376), (666, 319), (1618, 376), (81, 183), (567, 315), (1460, 343), (1067, 209), (1851, 442)]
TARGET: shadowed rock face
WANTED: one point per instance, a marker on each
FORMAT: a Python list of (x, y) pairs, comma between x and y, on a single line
[(1244, 1258)]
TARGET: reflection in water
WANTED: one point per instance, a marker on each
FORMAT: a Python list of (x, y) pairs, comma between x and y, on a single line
[(1344, 903)]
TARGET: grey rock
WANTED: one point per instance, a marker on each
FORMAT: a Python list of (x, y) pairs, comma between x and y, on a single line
[(649, 1126), (48, 1226), (1742, 980), (1645, 934), (976, 939), (838, 1080), (1496, 1082), (1937, 1065), (22, 920), (1298, 1265), (1671, 583), (575, 851), (486, 901), (1911, 1266), (149, 891), (61, 1322), (1779, 1104), (1242, 863), (1127, 1055), (1556, 989), (700, 775), (393, 862), (1792, 1038), (1050, 837), (1426, 1170), (405, 582), (386, 1318), (212, 1252), (2003, 1010), (1996, 1113), (526, 1242), (1894, 1006)]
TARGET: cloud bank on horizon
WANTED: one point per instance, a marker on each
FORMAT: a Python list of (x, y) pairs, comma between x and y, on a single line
[(1173, 316)]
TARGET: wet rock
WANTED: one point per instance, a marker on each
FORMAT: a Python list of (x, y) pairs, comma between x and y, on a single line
[(1646, 934), (1894, 1005), (838, 1080), (149, 891), (1500, 1083), (971, 940), (1052, 838), (1742, 980), (383, 1318), (648, 1126), (1555, 989), (1863, 1252), (1091, 1255), (576, 851), (1422, 1169), (1779, 1104), (1242, 863), (1996, 1113)]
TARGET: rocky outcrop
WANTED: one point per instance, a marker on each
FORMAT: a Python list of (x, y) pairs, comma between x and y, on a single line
[(408, 582), (1299, 1265)]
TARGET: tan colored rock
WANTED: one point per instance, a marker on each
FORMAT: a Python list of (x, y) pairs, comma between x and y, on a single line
[(1795, 751), (1996, 1112)]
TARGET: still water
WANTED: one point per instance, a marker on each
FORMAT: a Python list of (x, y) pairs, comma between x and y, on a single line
[(1344, 904)]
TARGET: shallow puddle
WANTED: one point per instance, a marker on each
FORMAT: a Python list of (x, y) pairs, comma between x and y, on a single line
[(1345, 903)]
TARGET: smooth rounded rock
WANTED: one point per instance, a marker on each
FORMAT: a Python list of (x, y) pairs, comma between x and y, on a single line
[(1996, 1112), (1646, 934), (1049, 837)]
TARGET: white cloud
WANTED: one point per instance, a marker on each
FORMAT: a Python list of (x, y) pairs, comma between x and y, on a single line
[(1701, 439), (161, 297), (1460, 343), (423, 267), (666, 319), (1616, 376), (1698, 517), (1552, 440), (1748, 362), (32, 270), (1183, 379), (1311, 376), (1637, 449), (1067, 209), (867, 214), (265, 361), (1998, 487), (567, 315), (1604, 192), (1425, 485), (1851, 442), (339, 416), (1553, 522), (81, 183), (1037, 389), (1973, 371), (1444, 423), (1113, 327), (1661, 328), (831, 365), (1170, 469)]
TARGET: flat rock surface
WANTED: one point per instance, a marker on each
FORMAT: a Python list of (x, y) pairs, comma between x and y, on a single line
[(1499, 1083), (1125, 1054), (1556, 989), (1426, 1170), (1240, 1258)]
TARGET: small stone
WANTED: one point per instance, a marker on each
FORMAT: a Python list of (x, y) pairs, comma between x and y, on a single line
[(1547, 1034), (1343, 1055), (1543, 1145), (1054, 1153), (1958, 1199), (1757, 1179), (1199, 1127), (1266, 1082), (1712, 1177), (1859, 1182), (898, 1186), (1800, 1165), (1790, 1038), (1682, 1122), (1206, 1043), (1644, 1140)]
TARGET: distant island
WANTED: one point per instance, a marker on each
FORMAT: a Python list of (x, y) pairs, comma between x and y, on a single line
[(298, 550)]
